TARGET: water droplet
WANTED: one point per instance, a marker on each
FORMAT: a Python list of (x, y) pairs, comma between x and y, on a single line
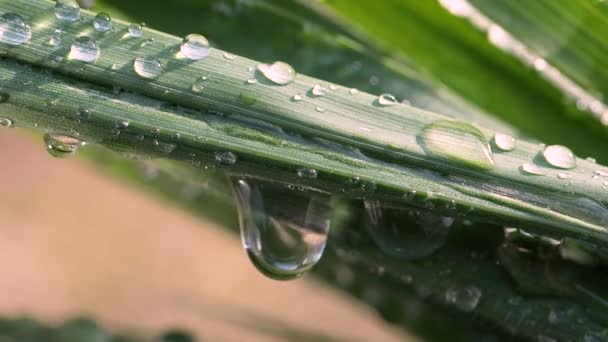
[(54, 40), (147, 67), (591, 160), (405, 232), (115, 66), (459, 142), (195, 46), (61, 146), (14, 30), (532, 169), (284, 232), (84, 49), (102, 22), (136, 30), (318, 90), (466, 298), (229, 56), (252, 80), (67, 10), (320, 109), (353, 91), (6, 122), (559, 156), (332, 87), (563, 175), (199, 84), (504, 142), (280, 73), (296, 98), (307, 173), (122, 124), (225, 158), (387, 100)]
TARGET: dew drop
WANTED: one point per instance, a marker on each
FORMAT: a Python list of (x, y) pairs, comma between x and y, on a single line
[(532, 169), (84, 49), (563, 175), (296, 98), (6, 122), (280, 73), (136, 30), (459, 142), (199, 84), (559, 157), (252, 80), (387, 100), (67, 10), (466, 298), (225, 158), (122, 124), (195, 46), (320, 109), (229, 56), (504, 142), (284, 233), (14, 30), (405, 232), (147, 67), (353, 91), (61, 146), (307, 173), (318, 90), (54, 40), (102, 22)]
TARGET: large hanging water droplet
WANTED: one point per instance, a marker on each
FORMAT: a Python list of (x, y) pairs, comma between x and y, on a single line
[(387, 100), (147, 67), (102, 22), (14, 30), (559, 156), (61, 146), (195, 46), (504, 142), (67, 10), (278, 72), (459, 142), (406, 232), (136, 30), (6, 122), (84, 49), (284, 232), (466, 298)]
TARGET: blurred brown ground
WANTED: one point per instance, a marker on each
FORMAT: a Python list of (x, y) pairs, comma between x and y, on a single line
[(76, 242)]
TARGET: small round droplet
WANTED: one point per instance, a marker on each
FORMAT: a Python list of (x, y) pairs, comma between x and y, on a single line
[(195, 46), (504, 142), (353, 91), (563, 175), (296, 98), (61, 146), (136, 30), (229, 56), (14, 30), (457, 141), (84, 49), (532, 169), (332, 87), (387, 100), (102, 22), (280, 73), (308, 173), (225, 158), (147, 67), (318, 90), (559, 157), (122, 124), (67, 10), (320, 109), (466, 299), (252, 80), (6, 122), (54, 40), (198, 84)]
